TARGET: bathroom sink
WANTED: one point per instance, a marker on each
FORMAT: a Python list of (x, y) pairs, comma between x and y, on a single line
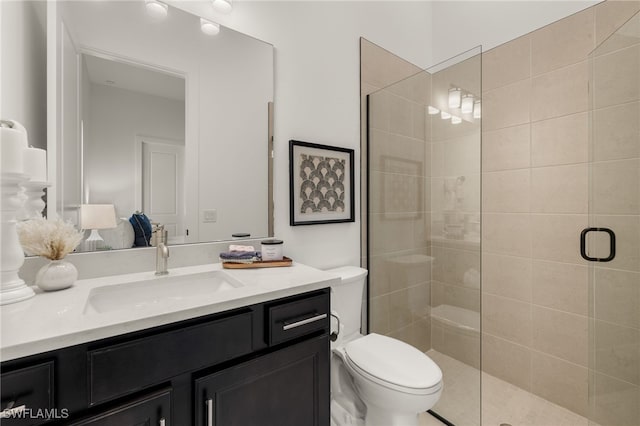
[(158, 292)]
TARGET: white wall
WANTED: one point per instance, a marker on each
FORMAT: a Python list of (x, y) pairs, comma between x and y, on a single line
[(461, 25), (317, 96), (116, 117), (23, 84)]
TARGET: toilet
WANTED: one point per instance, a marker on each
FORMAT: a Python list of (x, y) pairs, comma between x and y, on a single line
[(375, 379)]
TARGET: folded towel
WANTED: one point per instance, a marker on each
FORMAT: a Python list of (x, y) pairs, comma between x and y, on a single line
[(240, 256), (235, 247)]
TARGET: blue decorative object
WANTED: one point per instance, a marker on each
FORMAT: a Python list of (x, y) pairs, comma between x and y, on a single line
[(142, 229)]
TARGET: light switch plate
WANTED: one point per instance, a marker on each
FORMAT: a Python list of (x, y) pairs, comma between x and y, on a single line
[(209, 216)]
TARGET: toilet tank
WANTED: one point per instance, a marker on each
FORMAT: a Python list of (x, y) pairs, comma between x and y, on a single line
[(346, 297)]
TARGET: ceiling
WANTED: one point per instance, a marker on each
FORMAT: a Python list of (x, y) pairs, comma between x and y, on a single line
[(135, 78)]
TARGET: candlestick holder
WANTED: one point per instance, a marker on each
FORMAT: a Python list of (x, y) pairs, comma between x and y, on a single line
[(34, 204), (12, 287)]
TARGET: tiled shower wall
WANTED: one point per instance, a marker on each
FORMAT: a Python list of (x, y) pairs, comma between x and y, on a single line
[(535, 203)]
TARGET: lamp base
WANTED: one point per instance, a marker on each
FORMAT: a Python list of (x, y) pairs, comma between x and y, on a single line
[(94, 241)]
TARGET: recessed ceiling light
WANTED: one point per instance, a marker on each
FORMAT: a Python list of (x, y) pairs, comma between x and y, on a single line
[(222, 6), (157, 9), (208, 27), (456, 119), (432, 110), (445, 115)]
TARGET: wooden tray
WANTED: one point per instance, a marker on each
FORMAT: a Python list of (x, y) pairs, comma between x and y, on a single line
[(261, 264)]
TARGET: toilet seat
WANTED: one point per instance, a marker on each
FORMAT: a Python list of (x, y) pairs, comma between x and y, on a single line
[(393, 364)]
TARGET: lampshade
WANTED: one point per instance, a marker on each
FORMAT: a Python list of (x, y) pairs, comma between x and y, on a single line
[(97, 216), (455, 96), (477, 110), (467, 104)]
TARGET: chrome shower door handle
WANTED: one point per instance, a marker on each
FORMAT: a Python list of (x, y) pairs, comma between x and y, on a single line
[(612, 245)]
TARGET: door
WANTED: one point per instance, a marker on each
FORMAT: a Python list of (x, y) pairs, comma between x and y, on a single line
[(163, 184), (613, 248), (289, 387)]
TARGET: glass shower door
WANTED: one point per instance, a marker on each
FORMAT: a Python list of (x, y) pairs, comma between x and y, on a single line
[(614, 204), (423, 215)]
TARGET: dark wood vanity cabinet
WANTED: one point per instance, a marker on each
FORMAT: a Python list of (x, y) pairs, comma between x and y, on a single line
[(264, 364), (287, 387)]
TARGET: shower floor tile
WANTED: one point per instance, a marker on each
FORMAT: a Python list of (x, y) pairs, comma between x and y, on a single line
[(502, 402)]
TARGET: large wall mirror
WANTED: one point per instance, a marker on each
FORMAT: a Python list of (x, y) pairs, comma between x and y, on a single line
[(153, 115)]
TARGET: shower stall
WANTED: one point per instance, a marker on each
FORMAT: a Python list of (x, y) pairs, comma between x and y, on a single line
[(535, 317)]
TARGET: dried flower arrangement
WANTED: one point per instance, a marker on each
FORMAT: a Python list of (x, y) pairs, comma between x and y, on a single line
[(53, 239)]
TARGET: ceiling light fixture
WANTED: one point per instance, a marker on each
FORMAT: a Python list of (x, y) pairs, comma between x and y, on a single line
[(467, 104), (445, 115), (455, 95), (455, 119), (432, 110), (157, 9), (477, 109), (222, 6), (208, 27)]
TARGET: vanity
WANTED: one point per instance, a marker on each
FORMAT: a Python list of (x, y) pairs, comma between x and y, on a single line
[(202, 346)]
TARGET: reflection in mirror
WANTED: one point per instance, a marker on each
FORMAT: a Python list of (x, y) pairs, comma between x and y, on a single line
[(157, 117), (133, 133)]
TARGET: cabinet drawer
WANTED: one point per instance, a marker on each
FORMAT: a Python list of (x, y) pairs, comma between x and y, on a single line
[(290, 320), (29, 388), (150, 410), (120, 369)]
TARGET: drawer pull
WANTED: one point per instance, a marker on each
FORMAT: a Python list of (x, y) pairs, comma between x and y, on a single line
[(12, 411), (289, 326), (209, 403)]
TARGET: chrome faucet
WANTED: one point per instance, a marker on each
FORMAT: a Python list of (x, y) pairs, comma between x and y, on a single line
[(162, 252)]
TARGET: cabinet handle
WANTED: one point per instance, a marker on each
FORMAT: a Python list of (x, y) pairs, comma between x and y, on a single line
[(289, 326), (209, 403), (162, 422)]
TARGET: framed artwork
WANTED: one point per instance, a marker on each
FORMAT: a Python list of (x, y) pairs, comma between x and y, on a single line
[(320, 184)]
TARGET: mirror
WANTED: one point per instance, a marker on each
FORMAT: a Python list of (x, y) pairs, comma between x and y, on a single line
[(157, 116)]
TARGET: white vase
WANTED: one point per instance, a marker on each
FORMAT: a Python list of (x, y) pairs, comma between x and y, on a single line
[(56, 275)]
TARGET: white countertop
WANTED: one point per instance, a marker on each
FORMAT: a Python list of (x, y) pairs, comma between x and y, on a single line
[(54, 320)]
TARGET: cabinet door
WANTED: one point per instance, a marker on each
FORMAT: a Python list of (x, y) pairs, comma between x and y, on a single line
[(289, 387), (151, 410)]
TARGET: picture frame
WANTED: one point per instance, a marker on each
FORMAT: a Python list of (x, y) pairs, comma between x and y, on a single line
[(321, 184)]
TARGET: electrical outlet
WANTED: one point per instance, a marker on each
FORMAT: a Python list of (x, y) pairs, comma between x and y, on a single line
[(209, 216)]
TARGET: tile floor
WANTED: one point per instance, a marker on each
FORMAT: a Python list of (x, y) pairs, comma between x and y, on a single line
[(501, 401)]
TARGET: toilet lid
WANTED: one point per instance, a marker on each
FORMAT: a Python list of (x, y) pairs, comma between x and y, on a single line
[(393, 361)]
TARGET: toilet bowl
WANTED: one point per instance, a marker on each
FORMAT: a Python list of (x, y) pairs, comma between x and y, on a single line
[(389, 382)]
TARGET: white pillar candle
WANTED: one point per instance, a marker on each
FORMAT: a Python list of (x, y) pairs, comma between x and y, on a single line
[(12, 144), (35, 164)]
